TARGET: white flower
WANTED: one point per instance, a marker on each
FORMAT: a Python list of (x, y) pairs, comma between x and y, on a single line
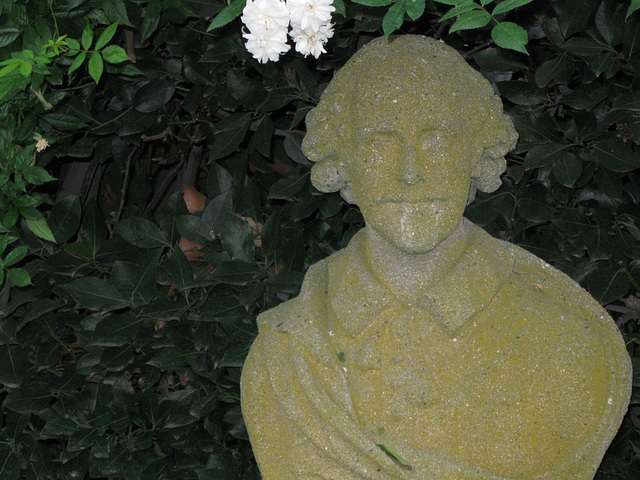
[(261, 15), (267, 45), (312, 43), (310, 15), (41, 144)]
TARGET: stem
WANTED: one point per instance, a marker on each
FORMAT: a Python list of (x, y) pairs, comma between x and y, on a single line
[(55, 21)]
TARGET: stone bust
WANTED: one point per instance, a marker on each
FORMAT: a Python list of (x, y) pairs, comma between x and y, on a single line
[(427, 349)]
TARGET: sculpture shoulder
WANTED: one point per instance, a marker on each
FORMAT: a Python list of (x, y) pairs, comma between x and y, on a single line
[(561, 305)]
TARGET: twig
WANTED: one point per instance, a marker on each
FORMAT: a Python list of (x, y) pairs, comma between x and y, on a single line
[(125, 184), (157, 198)]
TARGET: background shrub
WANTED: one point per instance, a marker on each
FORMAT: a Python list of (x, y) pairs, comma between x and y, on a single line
[(127, 313)]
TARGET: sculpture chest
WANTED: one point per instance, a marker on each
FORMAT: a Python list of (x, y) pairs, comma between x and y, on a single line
[(494, 393)]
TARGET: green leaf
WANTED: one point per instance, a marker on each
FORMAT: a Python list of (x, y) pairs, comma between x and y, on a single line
[(472, 19), (287, 187), (26, 400), (460, 9), (229, 134), (106, 36), (37, 175), (235, 272), (215, 214), (499, 60), (560, 69), (87, 37), (394, 18), (26, 68), (567, 170), (415, 8), (40, 228), (237, 239), (114, 54), (511, 36), (95, 293), (228, 13), (19, 277), (15, 364), (583, 46), (116, 12), (64, 218), (451, 2), (635, 5), (374, 3), (627, 101), (522, 93), (8, 35), (77, 62), (135, 279), (15, 255), (142, 233), (544, 155), (96, 66), (617, 156), (393, 454), (154, 95), (608, 283), (180, 270), (508, 5), (63, 121), (340, 8)]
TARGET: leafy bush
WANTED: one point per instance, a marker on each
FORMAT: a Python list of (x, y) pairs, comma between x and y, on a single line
[(126, 316)]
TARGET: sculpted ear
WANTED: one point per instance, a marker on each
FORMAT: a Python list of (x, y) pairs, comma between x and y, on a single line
[(499, 137), (329, 175)]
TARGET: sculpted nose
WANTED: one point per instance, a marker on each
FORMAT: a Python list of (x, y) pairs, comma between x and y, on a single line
[(410, 173)]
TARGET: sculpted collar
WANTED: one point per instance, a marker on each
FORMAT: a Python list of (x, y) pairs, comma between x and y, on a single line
[(357, 296)]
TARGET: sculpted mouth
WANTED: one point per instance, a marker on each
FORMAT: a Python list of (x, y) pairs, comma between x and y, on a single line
[(403, 200)]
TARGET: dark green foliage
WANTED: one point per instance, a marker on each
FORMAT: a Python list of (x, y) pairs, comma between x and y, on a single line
[(122, 359)]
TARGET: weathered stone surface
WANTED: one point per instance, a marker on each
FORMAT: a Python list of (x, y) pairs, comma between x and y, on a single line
[(427, 349)]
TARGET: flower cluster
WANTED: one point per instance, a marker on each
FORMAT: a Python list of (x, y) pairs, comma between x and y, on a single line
[(267, 25)]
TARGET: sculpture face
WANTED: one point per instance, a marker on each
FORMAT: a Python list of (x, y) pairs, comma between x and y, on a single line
[(411, 169)]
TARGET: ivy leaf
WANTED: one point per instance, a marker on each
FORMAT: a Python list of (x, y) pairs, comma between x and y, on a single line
[(96, 66), (415, 8), (106, 36), (114, 54), (374, 3), (460, 9), (15, 255), (469, 20), (87, 37), (617, 156), (40, 228), (635, 5), (95, 293), (19, 277), (77, 62), (62, 121), (394, 18), (508, 5), (511, 36), (142, 233), (37, 175), (228, 14), (154, 95), (8, 35)]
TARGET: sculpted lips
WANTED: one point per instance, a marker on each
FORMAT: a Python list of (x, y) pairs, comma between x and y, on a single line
[(406, 200)]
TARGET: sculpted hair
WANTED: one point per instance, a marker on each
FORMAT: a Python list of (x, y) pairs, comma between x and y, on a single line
[(424, 65)]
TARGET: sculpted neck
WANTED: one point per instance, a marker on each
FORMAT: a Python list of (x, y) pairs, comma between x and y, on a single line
[(412, 274)]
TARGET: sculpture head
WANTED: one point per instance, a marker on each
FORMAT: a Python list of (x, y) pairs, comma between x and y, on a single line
[(408, 131)]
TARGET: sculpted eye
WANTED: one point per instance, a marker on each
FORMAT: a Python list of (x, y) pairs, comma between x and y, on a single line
[(380, 147), (436, 143)]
